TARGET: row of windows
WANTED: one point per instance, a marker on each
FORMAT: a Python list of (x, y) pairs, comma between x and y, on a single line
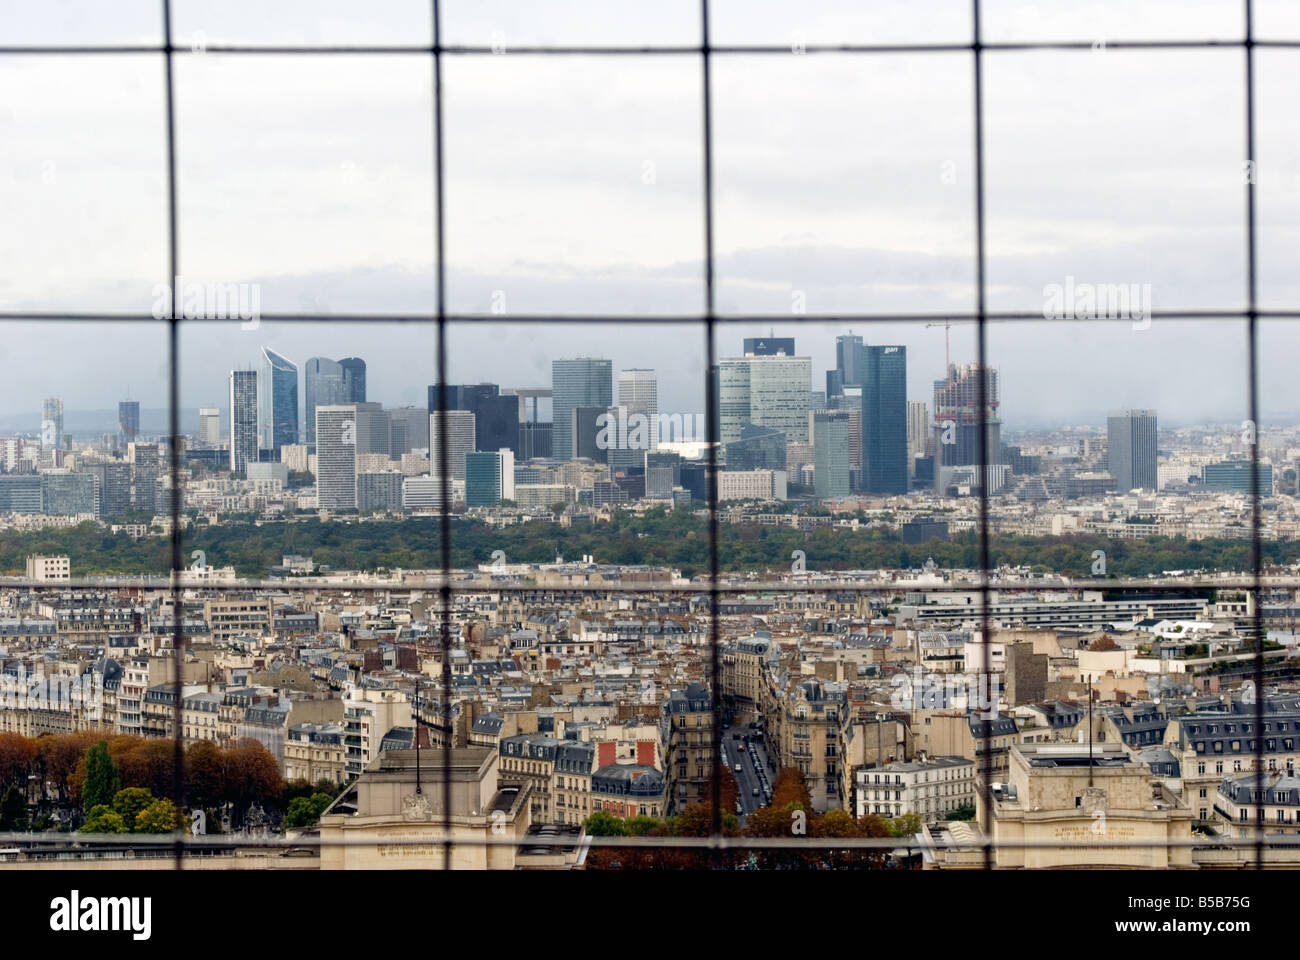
[(1245, 727), (1288, 745), (1281, 816)]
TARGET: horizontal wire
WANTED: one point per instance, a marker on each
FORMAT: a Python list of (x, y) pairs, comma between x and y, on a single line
[(745, 49), (1243, 582), (699, 319)]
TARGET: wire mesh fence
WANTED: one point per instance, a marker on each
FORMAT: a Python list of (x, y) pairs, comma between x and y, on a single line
[(975, 51)]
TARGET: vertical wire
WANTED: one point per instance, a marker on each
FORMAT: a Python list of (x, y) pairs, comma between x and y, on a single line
[(444, 484), (1252, 333), (982, 399), (711, 412), (174, 421)]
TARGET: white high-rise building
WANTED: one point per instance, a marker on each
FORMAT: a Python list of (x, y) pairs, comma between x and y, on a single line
[(295, 456), (638, 393), (460, 441), (751, 484), (918, 431), (11, 451), (336, 456), (243, 418), (209, 426), (425, 493)]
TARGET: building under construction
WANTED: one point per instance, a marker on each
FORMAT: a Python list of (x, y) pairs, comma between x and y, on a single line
[(957, 415)]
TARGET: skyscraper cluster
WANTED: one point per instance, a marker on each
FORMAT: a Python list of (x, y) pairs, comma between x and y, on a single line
[(263, 404), (598, 435)]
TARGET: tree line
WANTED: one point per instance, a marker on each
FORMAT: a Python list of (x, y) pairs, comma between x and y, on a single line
[(77, 779), (662, 538)]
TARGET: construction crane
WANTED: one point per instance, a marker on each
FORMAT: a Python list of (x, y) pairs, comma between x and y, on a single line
[(947, 353)]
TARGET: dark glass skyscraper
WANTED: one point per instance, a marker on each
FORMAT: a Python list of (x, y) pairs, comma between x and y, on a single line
[(584, 429), (848, 365), (759, 448), (535, 440), (324, 386), (277, 402), (128, 419), (577, 382), (496, 417), (354, 379), (884, 419), (1131, 449)]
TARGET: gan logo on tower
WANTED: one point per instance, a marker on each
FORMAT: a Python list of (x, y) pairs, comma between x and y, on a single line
[(75, 914)]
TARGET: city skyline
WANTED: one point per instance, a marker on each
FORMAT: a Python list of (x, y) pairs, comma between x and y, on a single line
[(1043, 391)]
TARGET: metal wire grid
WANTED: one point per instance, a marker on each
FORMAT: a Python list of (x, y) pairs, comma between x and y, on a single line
[(446, 584)]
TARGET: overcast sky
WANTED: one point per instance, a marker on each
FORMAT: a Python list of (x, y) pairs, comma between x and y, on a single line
[(574, 185)]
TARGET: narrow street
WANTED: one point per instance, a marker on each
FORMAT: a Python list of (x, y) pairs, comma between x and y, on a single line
[(751, 766)]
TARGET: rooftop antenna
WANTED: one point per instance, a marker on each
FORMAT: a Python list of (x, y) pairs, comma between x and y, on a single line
[(415, 732), (1090, 730)]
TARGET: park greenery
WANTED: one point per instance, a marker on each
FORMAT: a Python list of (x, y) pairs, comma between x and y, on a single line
[(134, 810), (663, 538), (306, 811), (126, 784)]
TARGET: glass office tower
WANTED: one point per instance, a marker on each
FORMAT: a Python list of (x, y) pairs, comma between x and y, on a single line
[(277, 402), (831, 454), (128, 419), (577, 382), (354, 379), (765, 391), (884, 419), (1131, 449), (323, 386)]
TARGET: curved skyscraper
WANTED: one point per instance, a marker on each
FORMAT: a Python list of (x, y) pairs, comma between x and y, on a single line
[(277, 401)]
